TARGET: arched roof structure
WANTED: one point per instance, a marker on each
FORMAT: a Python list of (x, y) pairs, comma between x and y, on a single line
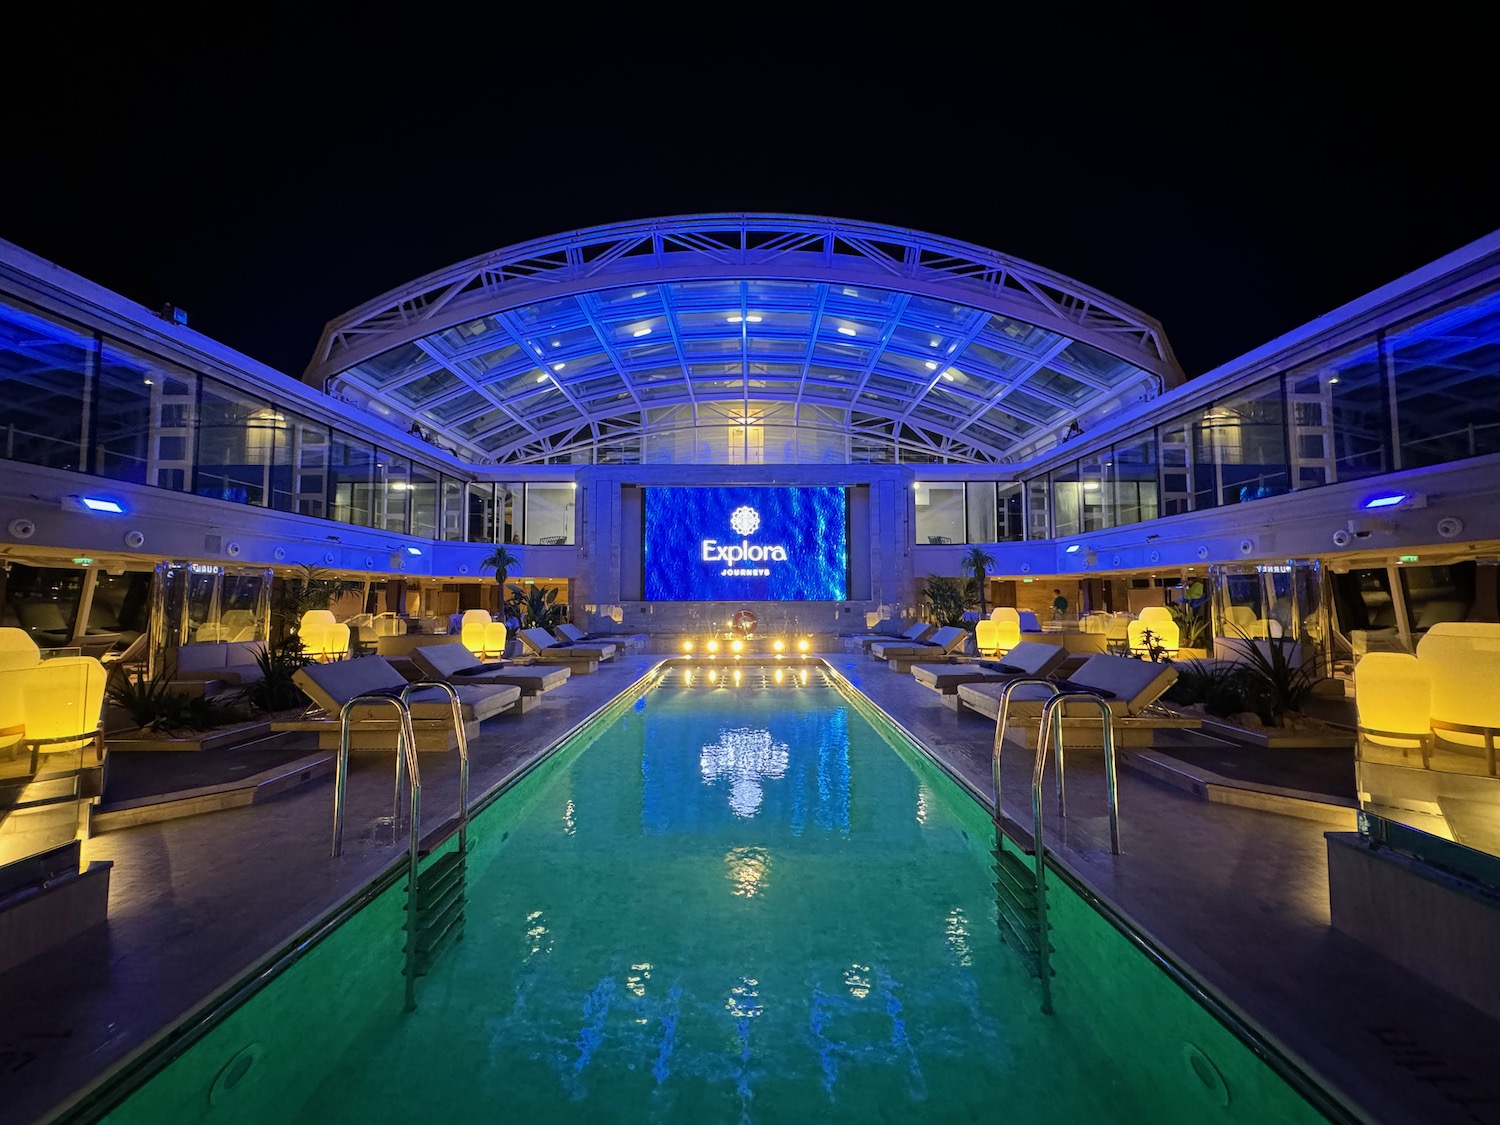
[(922, 347)]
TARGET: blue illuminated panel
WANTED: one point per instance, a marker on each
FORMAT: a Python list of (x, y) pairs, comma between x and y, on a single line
[(746, 544)]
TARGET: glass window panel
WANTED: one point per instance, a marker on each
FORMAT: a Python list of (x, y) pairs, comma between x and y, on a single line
[(1340, 419), (1067, 507), (940, 510), (981, 511), (1446, 370), (1133, 490), (286, 474), (351, 469), (42, 372), (310, 466), (424, 501), (549, 513), (1038, 509), (236, 436), (1174, 449), (1240, 445), (44, 602), (1094, 480), (480, 503), (453, 510), (121, 434), (392, 491), (1011, 510)]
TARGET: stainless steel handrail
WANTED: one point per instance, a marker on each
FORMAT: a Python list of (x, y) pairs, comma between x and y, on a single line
[(406, 748), (463, 751), (1000, 724), (1052, 731)]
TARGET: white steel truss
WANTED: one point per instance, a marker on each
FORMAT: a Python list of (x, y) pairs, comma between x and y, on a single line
[(935, 348)]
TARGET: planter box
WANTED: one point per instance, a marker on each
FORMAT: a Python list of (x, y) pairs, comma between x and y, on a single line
[(190, 740), (1273, 739)]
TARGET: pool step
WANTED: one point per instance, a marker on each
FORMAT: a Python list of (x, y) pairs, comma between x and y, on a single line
[(439, 915), (1015, 896)]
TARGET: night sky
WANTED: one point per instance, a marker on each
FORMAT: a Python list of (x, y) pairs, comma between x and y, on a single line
[(1233, 180)]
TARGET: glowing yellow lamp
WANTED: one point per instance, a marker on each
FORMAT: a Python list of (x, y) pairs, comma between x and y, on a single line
[(801, 646), (779, 645), (737, 646), (713, 646), (687, 646)]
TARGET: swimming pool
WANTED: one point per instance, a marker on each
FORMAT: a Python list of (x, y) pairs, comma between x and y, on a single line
[(724, 901)]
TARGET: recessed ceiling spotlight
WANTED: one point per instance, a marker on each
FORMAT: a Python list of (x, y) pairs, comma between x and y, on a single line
[(934, 342), (641, 332), (753, 319), (560, 366), (846, 331), (931, 366), (542, 378), (736, 320)]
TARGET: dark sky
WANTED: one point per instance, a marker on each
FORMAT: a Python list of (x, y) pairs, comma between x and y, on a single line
[(1233, 179)]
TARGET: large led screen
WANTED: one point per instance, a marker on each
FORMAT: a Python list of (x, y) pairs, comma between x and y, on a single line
[(746, 544)]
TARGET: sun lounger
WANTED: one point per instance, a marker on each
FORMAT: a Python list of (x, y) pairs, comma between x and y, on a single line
[(903, 653), (1029, 658), (330, 686), (452, 662), (920, 631), (582, 659), (573, 635), (1127, 686)]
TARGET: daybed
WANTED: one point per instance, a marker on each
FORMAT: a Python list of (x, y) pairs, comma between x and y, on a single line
[(549, 650), (902, 653), (330, 686), (1029, 658), (230, 662), (573, 635), (1128, 687), (452, 662)]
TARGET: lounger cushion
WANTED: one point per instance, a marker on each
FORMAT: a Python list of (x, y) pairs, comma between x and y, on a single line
[(545, 644), (1029, 658), (948, 639), (331, 686), (451, 661)]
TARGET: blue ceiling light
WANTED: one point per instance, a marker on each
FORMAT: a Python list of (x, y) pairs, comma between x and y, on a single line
[(1074, 549), (1388, 500), (99, 504), (414, 550)]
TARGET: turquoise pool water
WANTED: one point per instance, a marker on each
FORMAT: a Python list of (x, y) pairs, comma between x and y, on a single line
[(724, 904)]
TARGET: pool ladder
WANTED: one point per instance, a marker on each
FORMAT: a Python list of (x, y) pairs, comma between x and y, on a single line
[(1021, 891), (436, 896)]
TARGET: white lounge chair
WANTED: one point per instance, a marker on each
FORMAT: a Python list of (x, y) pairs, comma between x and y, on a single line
[(455, 664), (549, 650), (1029, 658), (916, 632), (947, 641), (1128, 687), (331, 686)]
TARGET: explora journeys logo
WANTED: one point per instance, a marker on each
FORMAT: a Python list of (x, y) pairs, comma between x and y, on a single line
[(744, 521)]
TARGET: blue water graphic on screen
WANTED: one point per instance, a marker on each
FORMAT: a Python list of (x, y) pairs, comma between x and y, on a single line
[(746, 544)]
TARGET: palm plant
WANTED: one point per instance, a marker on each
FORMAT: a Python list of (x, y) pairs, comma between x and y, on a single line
[(307, 588), (501, 560), (977, 561)]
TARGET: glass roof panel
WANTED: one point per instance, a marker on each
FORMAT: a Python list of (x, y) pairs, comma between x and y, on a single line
[(483, 423), (463, 337), (1032, 406), (547, 315), (844, 353), (1103, 366), (825, 372), (1060, 385), (427, 387), (391, 367), (923, 370), (1019, 334), (465, 403)]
